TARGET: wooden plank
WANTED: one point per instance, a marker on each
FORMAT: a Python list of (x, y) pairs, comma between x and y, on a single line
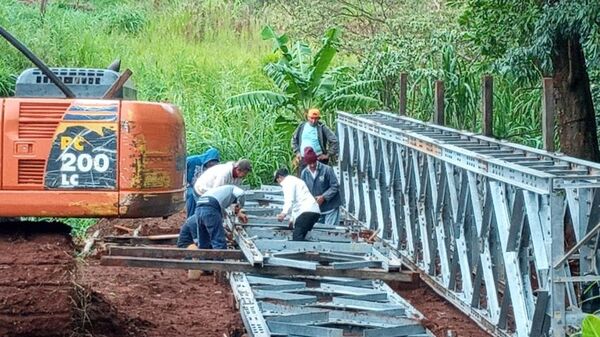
[(548, 110), (117, 85), (169, 239), (487, 106), (245, 267), (123, 228), (176, 253), (438, 113), (403, 97)]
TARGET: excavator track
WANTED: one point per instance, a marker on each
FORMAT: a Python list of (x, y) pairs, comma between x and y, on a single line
[(36, 279)]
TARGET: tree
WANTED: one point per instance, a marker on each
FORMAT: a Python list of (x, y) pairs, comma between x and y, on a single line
[(307, 81), (558, 38)]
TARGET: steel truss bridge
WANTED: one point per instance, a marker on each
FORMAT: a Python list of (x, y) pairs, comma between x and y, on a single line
[(507, 233)]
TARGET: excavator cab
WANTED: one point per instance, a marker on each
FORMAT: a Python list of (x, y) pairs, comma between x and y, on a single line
[(75, 142)]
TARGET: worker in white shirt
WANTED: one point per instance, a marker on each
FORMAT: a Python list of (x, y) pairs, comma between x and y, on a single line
[(205, 229), (298, 201), (230, 173)]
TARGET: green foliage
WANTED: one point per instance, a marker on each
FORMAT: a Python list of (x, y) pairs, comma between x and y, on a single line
[(368, 25), (519, 38), (590, 326), (78, 226), (517, 102), (517, 19), (125, 20), (306, 80)]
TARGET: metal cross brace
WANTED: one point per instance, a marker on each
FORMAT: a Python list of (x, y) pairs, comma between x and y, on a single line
[(364, 308)]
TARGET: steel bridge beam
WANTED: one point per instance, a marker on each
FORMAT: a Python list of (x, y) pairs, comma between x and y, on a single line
[(481, 219)]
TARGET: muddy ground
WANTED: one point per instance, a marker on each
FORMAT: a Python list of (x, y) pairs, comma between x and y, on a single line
[(86, 299), (36, 270), (154, 302)]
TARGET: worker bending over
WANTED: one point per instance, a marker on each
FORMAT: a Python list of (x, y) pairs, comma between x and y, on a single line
[(195, 166), (206, 228), (298, 200), (230, 173)]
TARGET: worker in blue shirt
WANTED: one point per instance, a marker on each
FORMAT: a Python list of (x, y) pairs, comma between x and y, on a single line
[(195, 165)]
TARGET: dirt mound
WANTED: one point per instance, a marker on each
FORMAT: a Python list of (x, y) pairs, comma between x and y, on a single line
[(441, 316), (36, 284), (98, 317), (147, 226)]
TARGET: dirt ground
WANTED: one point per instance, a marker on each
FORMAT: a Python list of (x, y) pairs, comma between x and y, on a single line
[(154, 302), (115, 302), (440, 316), (37, 268)]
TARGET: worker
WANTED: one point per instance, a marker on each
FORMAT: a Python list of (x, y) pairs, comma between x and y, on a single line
[(317, 135), (230, 173), (298, 201), (195, 165), (323, 184), (205, 229)]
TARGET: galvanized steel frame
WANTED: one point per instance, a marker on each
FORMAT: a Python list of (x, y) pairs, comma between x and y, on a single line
[(482, 219), (290, 307)]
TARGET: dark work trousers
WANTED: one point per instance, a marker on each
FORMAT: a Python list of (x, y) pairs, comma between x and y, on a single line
[(190, 201), (303, 224), (188, 233), (209, 219)]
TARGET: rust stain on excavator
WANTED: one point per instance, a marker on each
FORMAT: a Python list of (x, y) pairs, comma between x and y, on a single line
[(150, 205), (92, 208), (146, 175)]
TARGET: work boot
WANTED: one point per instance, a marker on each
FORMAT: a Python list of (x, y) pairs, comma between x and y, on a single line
[(193, 274)]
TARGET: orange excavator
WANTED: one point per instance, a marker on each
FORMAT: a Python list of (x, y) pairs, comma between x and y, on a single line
[(74, 142)]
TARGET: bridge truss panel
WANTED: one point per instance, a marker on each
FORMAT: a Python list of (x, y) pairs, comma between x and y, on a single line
[(484, 220)]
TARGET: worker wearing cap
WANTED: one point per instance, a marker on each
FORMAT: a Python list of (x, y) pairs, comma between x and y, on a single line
[(205, 229), (317, 135), (230, 173), (195, 165), (323, 185), (298, 203)]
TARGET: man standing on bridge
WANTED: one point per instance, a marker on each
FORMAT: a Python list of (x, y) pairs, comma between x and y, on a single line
[(323, 184), (317, 135)]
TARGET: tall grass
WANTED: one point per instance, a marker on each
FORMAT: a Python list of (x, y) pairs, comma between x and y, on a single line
[(517, 102)]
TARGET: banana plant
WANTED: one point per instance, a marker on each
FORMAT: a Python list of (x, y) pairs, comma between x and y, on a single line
[(305, 80)]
